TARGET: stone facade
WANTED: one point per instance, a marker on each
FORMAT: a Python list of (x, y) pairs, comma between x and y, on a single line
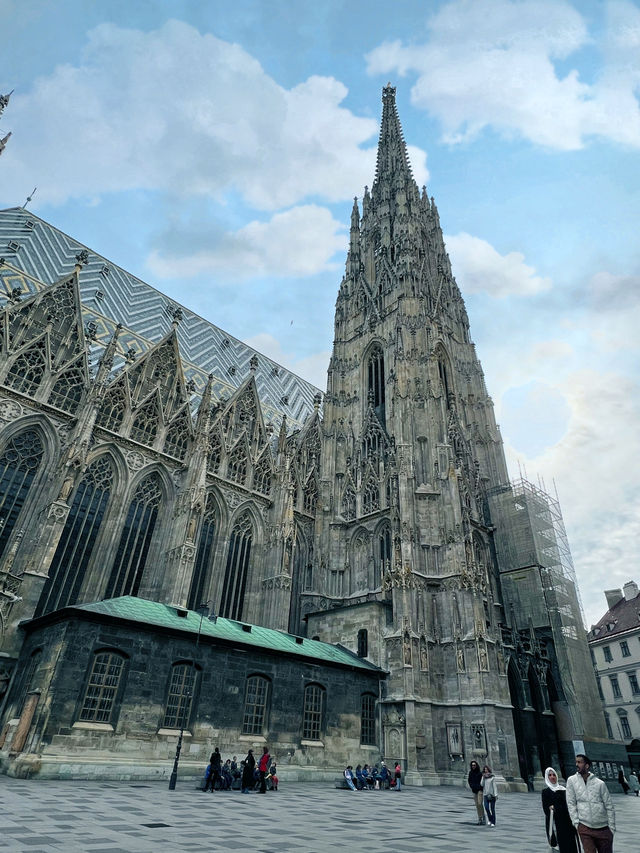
[(378, 518)]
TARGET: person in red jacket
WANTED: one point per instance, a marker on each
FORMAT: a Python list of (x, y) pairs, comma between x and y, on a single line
[(263, 769)]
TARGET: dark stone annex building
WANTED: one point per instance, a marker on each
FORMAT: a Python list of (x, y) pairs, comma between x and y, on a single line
[(193, 538)]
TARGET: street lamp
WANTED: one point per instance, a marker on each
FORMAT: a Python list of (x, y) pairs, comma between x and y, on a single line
[(203, 610)]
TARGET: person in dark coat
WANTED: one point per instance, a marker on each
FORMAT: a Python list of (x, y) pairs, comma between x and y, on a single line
[(474, 779), (247, 773), (623, 781), (560, 830), (215, 763)]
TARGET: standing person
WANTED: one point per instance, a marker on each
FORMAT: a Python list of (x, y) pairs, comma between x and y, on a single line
[(216, 763), (398, 775), (247, 772), (560, 830), (263, 769), (490, 794), (590, 808), (634, 785), (623, 781), (474, 780)]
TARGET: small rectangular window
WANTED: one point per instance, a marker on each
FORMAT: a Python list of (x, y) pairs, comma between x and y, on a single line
[(626, 728), (624, 648), (607, 654), (633, 681)]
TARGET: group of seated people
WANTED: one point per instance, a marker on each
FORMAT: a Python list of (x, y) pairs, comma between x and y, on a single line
[(369, 777), (230, 776)]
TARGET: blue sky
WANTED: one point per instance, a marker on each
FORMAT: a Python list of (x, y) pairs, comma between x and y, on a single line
[(214, 150)]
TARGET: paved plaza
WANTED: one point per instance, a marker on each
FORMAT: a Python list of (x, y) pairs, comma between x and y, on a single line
[(38, 816)]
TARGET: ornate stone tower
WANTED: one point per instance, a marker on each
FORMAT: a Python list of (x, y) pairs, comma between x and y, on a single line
[(407, 572)]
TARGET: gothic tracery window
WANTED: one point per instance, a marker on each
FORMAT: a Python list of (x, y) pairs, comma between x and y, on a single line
[(214, 454), (177, 437), (310, 495), (76, 544), (370, 496), (135, 540), (237, 468), (204, 555), (145, 424), (384, 551), (375, 381), (349, 504), (237, 568), (113, 407), (18, 466), (67, 390), (27, 371), (262, 476)]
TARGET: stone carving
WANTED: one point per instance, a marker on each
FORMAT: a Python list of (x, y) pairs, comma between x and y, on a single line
[(135, 460), (10, 410)]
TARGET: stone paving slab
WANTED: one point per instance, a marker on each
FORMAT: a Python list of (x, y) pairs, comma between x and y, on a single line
[(90, 817)]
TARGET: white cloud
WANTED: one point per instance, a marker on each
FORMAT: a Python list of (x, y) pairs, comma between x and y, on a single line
[(177, 111), (313, 368), (297, 242), (480, 268), (491, 63)]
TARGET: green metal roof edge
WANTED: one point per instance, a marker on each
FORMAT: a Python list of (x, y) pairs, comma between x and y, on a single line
[(166, 616)]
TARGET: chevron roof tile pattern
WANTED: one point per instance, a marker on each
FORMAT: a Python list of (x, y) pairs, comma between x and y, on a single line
[(36, 254)]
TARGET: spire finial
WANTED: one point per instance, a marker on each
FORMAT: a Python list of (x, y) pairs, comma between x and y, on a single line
[(4, 100)]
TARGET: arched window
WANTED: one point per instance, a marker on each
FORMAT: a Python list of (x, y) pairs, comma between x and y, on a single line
[(135, 539), (363, 643), (384, 551), (67, 390), (78, 538), (177, 437), (368, 719), (215, 453), (18, 466), (113, 407), (255, 705), (370, 496), (182, 683), (102, 688), (145, 425), (312, 721), (360, 560), (310, 495), (26, 372), (204, 555), (349, 504), (444, 378), (235, 576), (262, 476), (375, 381), (237, 470)]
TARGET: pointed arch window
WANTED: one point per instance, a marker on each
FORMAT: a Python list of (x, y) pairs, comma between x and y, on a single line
[(204, 555), (145, 425), (113, 408), (177, 437), (67, 391), (236, 571), (262, 476), (214, 455), (361, 554), (371, 496), (19, 464), (135, 539), (349, 504), (310, 495), (27, 371), (444, 378), (78, 539), (375, 381), (237, 470), (384, 551)]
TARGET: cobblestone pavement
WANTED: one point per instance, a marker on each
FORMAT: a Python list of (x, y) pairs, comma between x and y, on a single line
[(37, 816)]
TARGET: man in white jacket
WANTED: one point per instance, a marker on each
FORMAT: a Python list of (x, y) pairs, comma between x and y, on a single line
[(590, 808)]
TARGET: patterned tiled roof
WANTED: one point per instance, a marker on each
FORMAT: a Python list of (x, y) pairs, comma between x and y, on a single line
[(36, 254), (141, 610), (622, 617)]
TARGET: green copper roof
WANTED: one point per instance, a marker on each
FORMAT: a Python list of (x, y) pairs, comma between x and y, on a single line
[(166, 616)]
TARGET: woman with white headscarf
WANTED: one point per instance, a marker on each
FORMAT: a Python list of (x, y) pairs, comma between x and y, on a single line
[(560, 832)]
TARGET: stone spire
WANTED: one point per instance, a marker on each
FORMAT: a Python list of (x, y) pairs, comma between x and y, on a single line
[(393, 159)]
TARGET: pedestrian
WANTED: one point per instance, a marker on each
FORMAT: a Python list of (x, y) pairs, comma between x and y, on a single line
[(398, 776), (215, 763), (590, 808), (634, 785), (560, 831), (263, 769), (489, 794), (623, 781), (247, 773), (474, 780)]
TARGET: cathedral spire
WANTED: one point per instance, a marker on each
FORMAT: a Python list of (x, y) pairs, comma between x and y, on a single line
[(4, 100), (393, 159)]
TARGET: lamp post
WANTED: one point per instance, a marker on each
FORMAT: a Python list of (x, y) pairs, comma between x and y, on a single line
[(203, 609)]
